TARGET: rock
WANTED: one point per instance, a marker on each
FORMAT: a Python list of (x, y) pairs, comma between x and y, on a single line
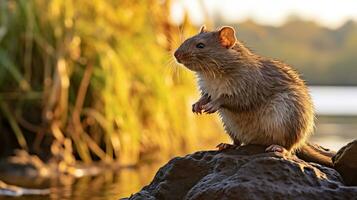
[(244, 173), (345, 162)]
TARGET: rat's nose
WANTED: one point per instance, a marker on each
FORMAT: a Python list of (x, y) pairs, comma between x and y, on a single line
[(178, 55)]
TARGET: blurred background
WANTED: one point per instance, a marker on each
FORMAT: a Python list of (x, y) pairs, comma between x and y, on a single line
[(93, 85)]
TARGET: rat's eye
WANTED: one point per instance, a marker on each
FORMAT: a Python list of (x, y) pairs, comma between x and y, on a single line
[(200, 45)]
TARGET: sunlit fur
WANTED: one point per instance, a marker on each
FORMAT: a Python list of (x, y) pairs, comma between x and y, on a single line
[(262, 101)]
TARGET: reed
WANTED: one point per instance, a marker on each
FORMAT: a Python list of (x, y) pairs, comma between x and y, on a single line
[(90, 79)]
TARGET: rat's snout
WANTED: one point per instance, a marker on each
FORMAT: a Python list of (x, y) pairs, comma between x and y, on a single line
[(178, 55)]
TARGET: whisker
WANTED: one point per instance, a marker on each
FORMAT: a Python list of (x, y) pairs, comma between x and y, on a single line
[(175, 69), (219, 68), (169, 61), (202, 68), (181, 33), (213, 69), (205, 69), (168, 66), (210, 70)]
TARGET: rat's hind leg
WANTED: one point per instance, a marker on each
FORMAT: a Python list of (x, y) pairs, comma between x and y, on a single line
[(276, 148), (223, 146)]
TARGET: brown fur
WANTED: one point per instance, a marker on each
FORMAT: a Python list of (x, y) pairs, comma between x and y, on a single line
[(260, 100)]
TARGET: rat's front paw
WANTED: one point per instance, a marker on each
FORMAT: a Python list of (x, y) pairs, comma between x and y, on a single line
[(211, 107), (197, 108)]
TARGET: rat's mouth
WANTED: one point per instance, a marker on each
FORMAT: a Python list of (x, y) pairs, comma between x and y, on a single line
[(178, 60), (184, 59), (181, 56)]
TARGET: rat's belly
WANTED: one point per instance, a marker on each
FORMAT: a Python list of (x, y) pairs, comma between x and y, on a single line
[(249, 128)]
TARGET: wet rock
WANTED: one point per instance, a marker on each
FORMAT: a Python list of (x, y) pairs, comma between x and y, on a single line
[(244, 173), (345, 162)]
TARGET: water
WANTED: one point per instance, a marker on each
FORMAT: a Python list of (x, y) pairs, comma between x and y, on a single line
[(336, 101), (335, 128), (106, 186), (336, 123)]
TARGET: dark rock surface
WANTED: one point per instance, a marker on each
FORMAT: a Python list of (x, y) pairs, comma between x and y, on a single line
[(244, 173), (345, 162)]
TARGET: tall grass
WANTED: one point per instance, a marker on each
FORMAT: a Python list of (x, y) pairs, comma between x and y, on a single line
[(90, 79)]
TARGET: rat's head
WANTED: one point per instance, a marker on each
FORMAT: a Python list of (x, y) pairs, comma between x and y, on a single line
[(208, 50)]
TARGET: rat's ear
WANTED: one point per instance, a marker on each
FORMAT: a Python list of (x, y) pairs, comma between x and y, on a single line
[(203, 29), (227, 36)]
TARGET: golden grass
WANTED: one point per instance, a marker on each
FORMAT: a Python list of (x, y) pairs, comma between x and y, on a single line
[(102, 78)]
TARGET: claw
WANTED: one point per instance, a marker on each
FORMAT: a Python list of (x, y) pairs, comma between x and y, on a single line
[(210, 108), (197, 107), (223, 146), (276, 148)]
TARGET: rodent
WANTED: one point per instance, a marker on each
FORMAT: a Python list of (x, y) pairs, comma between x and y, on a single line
[(259, 100)]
